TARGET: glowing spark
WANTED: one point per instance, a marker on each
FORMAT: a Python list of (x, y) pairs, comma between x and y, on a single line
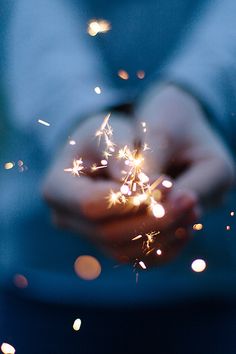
[(123, 74), (9, 165), (113, 198), (95, 167), (167, 184), (151, 237), (140, 74), (232, 213), (137, 237), (76, 169), (157, 209), (146, 147), (98, 26), (197, 227), (43, 122), (72, 142), (228, 228), (77, 324), (98, 90), (7, 348), (104, 162), (199, 265), (142, 265), (159, 252), (143, 178), (124, 189)]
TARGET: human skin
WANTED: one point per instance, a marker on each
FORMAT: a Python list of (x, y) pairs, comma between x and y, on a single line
[(181, 141)]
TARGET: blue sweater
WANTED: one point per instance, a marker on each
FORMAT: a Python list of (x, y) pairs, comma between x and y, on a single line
[(51, 69)]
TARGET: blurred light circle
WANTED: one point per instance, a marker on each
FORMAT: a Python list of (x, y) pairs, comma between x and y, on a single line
[(7, 348), (20, 281), (77, 324), (199, 265), (87, 267)]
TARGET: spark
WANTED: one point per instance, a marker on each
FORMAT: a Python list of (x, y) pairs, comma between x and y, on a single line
[(43, 122), (232, 213), (123, 74), (159, 252), (137, 237), (106, 132), (72, 142), (157, 209), (95, 167), (167, 184), (113, 198), (146, 147), (98, 26), (7, 348), (97, 90), (228, 228), (77, 167), (142, 265), (198, 266), (77, 324)]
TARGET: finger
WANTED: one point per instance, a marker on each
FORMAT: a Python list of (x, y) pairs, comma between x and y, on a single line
[(207, 178)]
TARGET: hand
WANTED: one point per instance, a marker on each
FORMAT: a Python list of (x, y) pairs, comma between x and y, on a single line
[(184, 144), (80, 205)]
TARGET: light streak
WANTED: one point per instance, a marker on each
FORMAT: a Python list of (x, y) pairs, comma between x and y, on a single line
[(43, 122), (142, 265)]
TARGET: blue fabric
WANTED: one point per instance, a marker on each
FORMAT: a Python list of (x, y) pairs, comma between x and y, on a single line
[(29, 244)]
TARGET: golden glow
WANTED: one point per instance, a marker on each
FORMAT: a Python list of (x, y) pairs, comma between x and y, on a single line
[(123, 74), (9, 165), (7, 348), (77, 324), (87, 267), (43, 122), (77, 167), (98, 26), (198, 266), (197, 227)]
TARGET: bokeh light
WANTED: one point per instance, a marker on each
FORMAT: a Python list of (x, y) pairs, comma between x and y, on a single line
[(198, 266), (87, 267)]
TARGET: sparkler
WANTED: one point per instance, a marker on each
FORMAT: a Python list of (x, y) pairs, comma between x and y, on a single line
[(98, 26), (77, 167), (135, 189)]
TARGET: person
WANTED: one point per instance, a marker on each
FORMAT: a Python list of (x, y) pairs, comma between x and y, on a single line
[(187, 101)]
